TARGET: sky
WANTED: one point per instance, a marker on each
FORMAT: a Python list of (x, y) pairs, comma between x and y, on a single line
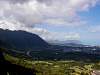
[(54, 19)]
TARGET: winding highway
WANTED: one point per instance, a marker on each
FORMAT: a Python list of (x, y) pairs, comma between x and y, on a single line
[(28, 53), (21, 52)]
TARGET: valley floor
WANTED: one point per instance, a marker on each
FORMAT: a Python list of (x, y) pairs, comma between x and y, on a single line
[(57, 67)]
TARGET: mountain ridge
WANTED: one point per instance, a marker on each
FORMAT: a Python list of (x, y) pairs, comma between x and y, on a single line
[(21, 39)]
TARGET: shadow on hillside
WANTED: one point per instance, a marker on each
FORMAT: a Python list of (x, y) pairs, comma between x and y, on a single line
[(12, 69)]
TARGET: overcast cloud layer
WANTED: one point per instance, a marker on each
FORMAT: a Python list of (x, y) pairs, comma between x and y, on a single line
[(27, 14)]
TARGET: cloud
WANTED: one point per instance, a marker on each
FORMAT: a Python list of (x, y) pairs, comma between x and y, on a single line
[(16, 1), (31, 12), (94, 29), (12, 25), (72, 36), (62, 36), (47, 2), (65, 22), (22, 13)]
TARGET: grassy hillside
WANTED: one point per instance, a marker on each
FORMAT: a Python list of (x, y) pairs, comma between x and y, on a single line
[(55, 67)]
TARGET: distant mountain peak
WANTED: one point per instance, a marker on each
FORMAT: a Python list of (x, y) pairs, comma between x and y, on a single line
[(67, 42)]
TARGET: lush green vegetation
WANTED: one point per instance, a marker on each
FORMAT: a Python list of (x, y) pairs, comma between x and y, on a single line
[(56, 67), (23, 51)]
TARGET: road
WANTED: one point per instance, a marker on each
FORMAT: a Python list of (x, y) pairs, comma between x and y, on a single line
[(28, 53), (20, 52)]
